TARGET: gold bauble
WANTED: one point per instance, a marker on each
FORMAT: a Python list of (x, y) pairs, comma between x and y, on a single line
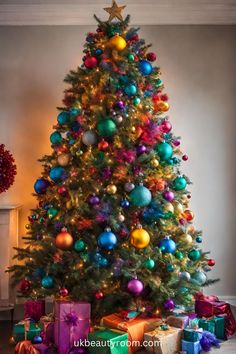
[(111, 189), (63, 159), (64, 240), (169, 207), (186, 238), (162, 106), (117, 42), (178, 208), (154, 163), (139, 238)]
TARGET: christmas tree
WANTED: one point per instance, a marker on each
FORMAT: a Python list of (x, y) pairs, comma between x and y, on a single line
[(113, 224)]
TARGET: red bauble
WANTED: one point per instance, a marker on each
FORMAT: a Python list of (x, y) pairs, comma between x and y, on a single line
[(7, 169), (25, 286), (63, 191), (99, 295), (188, 215), (63, 292), (151, 56), (211, 262), (103, 145), (91, 62), (185, 157), (164, 97)]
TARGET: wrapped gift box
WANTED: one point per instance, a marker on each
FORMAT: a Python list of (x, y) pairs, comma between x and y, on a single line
[(46, 323), (163, 341), (178, 321), (192, 335), (34, 309), (72, 323), (220, 327), (207, 325), (41, 348), (112, 342), (135, 328), (25, 347), (191, 347), (25, 330)]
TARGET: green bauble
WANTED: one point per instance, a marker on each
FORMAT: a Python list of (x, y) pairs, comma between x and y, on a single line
[(106, 128), (164, 150), (170, 268), (194, 254), (149, 263), (52, 212), (179, 183), (179, 255), (130, 57), (79, 245), (140, 196)]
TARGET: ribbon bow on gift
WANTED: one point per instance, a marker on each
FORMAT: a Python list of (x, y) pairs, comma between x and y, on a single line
[(71, 319)]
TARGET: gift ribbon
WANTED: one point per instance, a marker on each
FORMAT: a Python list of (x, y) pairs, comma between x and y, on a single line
[(25, 347)]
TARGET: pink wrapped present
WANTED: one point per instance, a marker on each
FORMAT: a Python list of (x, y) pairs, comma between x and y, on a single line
[(72, 323), (34, 309)]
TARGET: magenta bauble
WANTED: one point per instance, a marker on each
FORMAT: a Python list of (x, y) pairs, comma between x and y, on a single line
[(90, 62), (169, 305), (169, 196), (135, 287), (165, 126)]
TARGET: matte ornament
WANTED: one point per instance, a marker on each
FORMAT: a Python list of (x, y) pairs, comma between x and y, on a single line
[(164, 150), (107, 240), (79, 246), (63, 159), (167, 245), (130, 90), (169, 305), (64, 240), (199, 278), (47, 282), (89, 137), (149, 263), (211, 262), (145, 67), (117, 42), (139, 238), (55, 138), (57, 174), (194, 255), (63, 117), (135, 287), (140, 196), (41, 186), (90, 62), (179, 183), (106, 128), (37, 340)]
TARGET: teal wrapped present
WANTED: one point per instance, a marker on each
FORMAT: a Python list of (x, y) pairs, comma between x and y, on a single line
[(191, 347), (25, 330), (220, 327), (192, 335), (108, 341), (207, 325)]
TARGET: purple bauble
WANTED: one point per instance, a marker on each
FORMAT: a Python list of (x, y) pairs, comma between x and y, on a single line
[(135, 287), (141, 149), (181, 221), (94, 200), (176, 142), (120, 104), (169, 196), (169, 305)]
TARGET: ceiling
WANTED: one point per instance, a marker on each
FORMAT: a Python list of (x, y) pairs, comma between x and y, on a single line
[(149, 12)]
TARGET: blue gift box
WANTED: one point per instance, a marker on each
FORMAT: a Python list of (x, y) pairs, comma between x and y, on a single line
[(191, 347)]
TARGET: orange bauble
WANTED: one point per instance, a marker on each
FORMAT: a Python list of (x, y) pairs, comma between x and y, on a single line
[(64, 240)]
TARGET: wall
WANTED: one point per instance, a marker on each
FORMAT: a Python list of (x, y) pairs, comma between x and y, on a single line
[(198, 65)]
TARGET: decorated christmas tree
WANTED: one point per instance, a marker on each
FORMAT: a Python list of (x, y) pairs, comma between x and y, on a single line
[(112, 225)]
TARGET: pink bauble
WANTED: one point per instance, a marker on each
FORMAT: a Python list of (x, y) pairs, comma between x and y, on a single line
[(90, 62), (185, 157), (166, 126), (135, 287), (63, 292)]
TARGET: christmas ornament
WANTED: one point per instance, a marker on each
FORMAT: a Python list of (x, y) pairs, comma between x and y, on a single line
[(41, 185), (120, 218), (111, 189), (56, 138), (57, 174), (79, 245), (136, 101), (94, 200), (168, 207), (154, 163), (162, 106), (185, 276), (150, 263), (118, 119), (186, 238), (115, 11), (167, 245), (52, 213), (120, 104), (117, 42), (135, 287), (145, 67), (211, 262), (130, 90), (170, 268), (63, 117), (178, 208), (103, 145), (194, 254), (7, 169), (199, 277), (98, 51), (139, 238), (151, 56), (47, 282), (179, 183), (199, 239), (63, 191), (124, 203), (37, 340), (179, 255), (107, 240), (129, 186), (89, 137), (90, 62), (169, 196), (103, 262), (188, 215), (184, 157), (164, 150), (140, 196), (63, 292), (141, 149), (130, 57), (63, 159), (64, 240), (99, 295), (106, 128), (169, 305), (25, 286)]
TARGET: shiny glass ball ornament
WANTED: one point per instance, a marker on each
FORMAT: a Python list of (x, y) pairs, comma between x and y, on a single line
[(199, 278), (169, 196), (56, 138), (139, 238), (135, 287), (170, 268), (107, 240), (194, 254), (37, 340), (167, 245), (130, 90), (117, 42), (154, 163), (63, 292), (130, 57), (89, 137), (140, 196), (47, 282), (25, 286), (57, 174), (120, 218), (151, 56), (165, 126), (185, 157), (106, 128), (141, 149), (145, 67), (120, 104), (179, 255), (64, 240), (168, 207), (99, 295), (188, 215), (129, 186), (211, 262), (41, 185), (186, 238), (178, 208), (94, 200), (79, 246), (63, 159), (164, 151), (179, 183), (111, 189), (103, 145), (98, 51), (136, 101), (118, 119), (199, 239), (124, 203), (63, 117), (90, 62), (103, 262), (52, 213), (169, 305), (185, 276), (149, 263)]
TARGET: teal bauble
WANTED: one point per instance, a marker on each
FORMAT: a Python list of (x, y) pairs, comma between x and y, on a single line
[(56, 138), (164, 151), (130, 90), (194, 255), (130, 57), (179, 183), (199, 278), (106, 128), (58, 174), (140, 196), (52, 213), (79, 246), (170, 268), (179, 255), (149, 263), (136, 101), (47, 282), (63, 117), (183, 290)]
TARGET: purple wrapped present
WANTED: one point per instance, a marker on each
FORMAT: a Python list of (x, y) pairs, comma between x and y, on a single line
[(42, 348), (72, 323), (34, 309)]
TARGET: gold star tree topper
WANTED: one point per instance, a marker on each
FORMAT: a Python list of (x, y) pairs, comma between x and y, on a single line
[(115, 11)]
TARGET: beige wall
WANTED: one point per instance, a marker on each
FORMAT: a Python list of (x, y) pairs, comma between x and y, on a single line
[(198, 65)]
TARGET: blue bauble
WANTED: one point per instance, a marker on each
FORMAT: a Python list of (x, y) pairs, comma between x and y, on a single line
[(179, 183), (167, 245), (98, 51), (103, 262), (57, 174), (145, 67), (199, 278), (63, 117), (164, 150), (130, 90), (140, 196), (185, 276), (37, 340), (56, 138), (38, 274), (199, 239), (107, 240), (124, 203), (74, 112), (47, 282), (95, 257), (41, 185)]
